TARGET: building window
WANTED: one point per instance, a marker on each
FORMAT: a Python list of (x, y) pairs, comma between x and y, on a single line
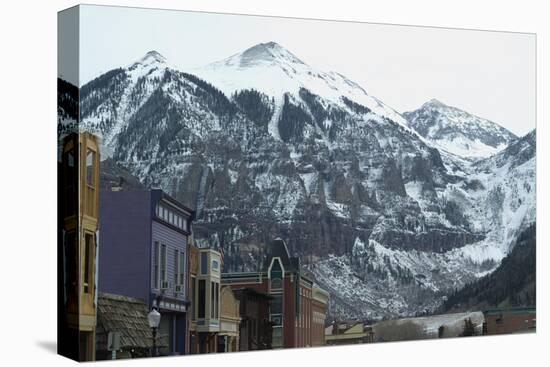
[(276, 275), (204, 263), (156, 254), (89, 245), (181, 268), (217, 299), (69, 158), (277, 304), (90, 167), (163, 258), (71, 260), (69, 171), (202, 299), (212, 300), (277, 337), (276, 310), (193, 298), (176, 266)]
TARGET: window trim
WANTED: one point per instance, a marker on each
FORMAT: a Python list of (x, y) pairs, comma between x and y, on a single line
[(91, 184), (203, 261), (156, 264), (212, 299), (201, 304), (217, 299), (163, 263), (181, 267), (171, 216), (176, 266), (88, 270), (193, 298)]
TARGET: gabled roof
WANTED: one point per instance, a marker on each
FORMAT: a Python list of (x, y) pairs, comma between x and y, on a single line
[(278, 248), (125, 315)]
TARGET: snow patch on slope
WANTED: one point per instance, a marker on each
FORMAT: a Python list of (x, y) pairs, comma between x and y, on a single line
[(273, 70)]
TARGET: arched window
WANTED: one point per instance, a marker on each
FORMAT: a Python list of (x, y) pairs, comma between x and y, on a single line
[(276, 275)]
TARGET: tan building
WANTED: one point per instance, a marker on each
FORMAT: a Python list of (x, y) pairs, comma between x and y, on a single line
[(79, 205), (205, 278), (348, 333), (228, 337)]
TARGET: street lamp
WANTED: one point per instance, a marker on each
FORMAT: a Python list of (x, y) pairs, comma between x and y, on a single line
[(154, 320)]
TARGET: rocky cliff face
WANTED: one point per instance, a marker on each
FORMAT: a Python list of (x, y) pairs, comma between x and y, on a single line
[(379, 216)]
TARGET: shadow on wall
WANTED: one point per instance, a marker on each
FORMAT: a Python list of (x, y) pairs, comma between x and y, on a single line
[(48, 345)]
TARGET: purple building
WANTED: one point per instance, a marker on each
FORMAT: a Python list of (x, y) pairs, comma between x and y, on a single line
[(144, 254)]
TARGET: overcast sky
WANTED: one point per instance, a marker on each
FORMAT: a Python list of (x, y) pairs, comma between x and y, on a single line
[(489, 74)]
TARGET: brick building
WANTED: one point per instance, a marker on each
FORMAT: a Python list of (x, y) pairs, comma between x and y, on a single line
[(318, 308), (296, 306), (509, 321)]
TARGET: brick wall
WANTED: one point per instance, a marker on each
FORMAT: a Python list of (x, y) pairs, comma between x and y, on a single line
[(510, 322)]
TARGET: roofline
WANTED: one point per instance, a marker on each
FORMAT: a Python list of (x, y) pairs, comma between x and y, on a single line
[(237, 275), (178, 204), (510, 310)]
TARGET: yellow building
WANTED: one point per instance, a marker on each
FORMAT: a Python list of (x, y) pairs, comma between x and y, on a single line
[(230, 319), (79, 207)]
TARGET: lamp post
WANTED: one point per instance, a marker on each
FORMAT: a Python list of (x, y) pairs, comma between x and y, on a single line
[(154, 320)]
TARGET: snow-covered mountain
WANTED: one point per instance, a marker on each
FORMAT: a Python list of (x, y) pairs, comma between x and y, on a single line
[(271, 69), (494, 196), (262, 145), (458, 131)]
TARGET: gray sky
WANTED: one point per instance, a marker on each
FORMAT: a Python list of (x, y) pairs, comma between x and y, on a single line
[(490, 74)]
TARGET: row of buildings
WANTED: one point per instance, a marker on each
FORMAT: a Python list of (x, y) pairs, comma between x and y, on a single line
[(124, 253)]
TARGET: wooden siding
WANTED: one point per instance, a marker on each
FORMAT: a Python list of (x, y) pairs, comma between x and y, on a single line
[(173, 241)]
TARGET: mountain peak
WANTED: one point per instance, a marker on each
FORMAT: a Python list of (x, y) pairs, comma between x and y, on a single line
[(264, 53), (457, 131), (269, 45), (152, 56), (434, 102)]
